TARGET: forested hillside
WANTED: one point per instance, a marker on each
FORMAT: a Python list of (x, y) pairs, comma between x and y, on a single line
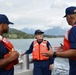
[(17, 34)]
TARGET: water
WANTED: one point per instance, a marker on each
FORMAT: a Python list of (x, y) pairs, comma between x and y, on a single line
[(23, 44), (61, 65)]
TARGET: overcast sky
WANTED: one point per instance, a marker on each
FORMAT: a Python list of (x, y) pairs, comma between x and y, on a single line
[(36, 14)]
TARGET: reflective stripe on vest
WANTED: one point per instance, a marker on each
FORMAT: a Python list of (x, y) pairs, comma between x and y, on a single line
[(38, 49)]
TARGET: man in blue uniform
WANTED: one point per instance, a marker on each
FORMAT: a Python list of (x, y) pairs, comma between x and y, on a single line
[(42, 65), (69, 47), (4, 22)]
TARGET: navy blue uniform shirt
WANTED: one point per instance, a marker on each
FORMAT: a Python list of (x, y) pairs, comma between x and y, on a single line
[(72, 40), (4, 51), (41, 63)]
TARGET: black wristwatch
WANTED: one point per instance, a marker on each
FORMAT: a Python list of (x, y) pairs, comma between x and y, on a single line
[(54, 55)]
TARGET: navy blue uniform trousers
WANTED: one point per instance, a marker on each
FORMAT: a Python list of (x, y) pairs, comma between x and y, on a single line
[(41, 71), (41, 68)]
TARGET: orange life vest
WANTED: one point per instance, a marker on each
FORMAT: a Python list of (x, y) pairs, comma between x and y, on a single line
[(10, 48), (67, 43), (38, 49)]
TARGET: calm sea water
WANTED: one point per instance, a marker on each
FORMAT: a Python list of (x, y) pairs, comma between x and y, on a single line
[(23, 44), (61, 65)]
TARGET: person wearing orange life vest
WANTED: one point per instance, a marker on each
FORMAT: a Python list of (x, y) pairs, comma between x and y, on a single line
[(42, 65), (8, 56), (68, 49)]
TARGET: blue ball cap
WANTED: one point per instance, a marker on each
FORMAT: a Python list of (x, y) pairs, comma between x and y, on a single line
[(38, 31), (4, 19), (70, 10)]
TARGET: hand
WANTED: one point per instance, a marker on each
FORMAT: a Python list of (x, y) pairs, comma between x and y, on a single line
[(48, 53), (60, 48), (13, 55), (50, 67), (22, 54)]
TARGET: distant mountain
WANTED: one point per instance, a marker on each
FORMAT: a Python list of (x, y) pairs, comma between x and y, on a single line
[(56, 31), (29, 31)]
